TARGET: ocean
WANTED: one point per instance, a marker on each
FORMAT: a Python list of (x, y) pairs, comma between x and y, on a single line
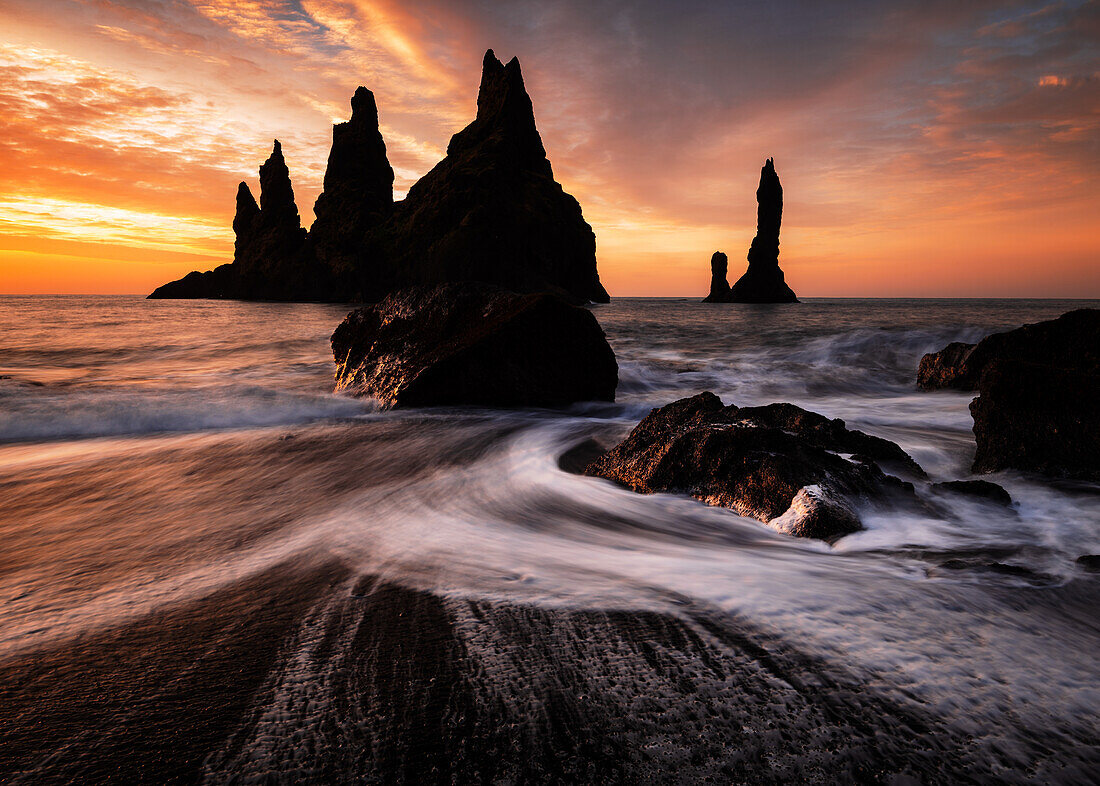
[(213, 569)]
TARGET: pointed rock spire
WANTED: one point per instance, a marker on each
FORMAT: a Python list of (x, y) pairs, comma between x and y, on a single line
[(245, 222), (763, 281), (359, 178), (277, 207), (505, 118), (358, 189)]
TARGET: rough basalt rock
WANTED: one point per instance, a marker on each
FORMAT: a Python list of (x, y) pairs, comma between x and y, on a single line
[(1071, 342), (473, 344), (778, 463), (490, 211), (763, 282), (1037, 418)]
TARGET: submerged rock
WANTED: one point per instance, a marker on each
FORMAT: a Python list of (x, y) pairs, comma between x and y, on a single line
[(490, 211), (980, 489), (778, 463), (473, 344), (1037, 418), (763, 282), (1071, 342)]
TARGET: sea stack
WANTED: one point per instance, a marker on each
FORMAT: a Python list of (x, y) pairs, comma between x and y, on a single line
[(489, 212), (763, 281), (358, 187)]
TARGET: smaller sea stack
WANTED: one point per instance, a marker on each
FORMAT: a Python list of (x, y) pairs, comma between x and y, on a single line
[(763, 281)]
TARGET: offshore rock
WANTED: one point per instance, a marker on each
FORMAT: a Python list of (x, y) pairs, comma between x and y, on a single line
[(358, 187), (490, 211), (778, 463), (473, 344), (978, 489), (1037, 418), (1070, 342), (269, 256), (763, 282), (719, 285)]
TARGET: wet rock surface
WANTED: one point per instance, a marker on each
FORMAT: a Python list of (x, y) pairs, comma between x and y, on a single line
[(1071, 342), (978, 489), (778, 463), (490, 211), (763, 282), (474, 344), (1037, 418)]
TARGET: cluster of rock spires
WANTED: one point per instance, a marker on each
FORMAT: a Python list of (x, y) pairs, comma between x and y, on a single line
[(1039, 386), (490, 211), (763, 281)]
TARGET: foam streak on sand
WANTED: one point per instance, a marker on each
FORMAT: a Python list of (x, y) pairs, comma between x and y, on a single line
[(426, 594)]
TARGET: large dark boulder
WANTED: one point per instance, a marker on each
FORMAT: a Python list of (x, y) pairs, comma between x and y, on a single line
[(1072, 342), (490, 211), (778, 463), (473, 344), (763, 281), (1037, 418)]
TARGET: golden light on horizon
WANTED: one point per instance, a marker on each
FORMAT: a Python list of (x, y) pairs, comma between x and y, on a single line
[(127, 129)]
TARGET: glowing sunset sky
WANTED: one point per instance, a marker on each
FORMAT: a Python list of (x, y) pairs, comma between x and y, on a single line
[(925, 148)]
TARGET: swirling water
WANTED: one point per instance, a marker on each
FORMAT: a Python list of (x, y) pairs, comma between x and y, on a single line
[(186, 504)]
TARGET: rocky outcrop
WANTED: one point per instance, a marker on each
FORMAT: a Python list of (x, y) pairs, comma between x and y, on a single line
[(358, 187), (1038, 387), (1072, 342), (763, 281), (719, 284), (1037, 418), (473, 344), (490, 211), (779, 464), (270, 261)]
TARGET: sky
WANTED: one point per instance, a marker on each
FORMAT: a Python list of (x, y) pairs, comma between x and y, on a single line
[(926, 148)]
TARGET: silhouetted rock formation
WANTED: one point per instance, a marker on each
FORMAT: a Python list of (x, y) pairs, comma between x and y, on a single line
[(763, 281), (490, 211), (1072, 341), (1037, 418), (269, 258), (474, 344), (776, 463), (358, 188), (719, 285)]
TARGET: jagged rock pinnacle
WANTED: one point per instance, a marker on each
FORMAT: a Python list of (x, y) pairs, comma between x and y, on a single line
[(763, 281), (277, 207)]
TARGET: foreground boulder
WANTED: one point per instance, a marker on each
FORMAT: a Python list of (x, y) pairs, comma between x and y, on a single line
[(778, 463), (490, 211), (1037, 418), (763, 281), (473, 344), (1038, 387), (1072, 342)]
